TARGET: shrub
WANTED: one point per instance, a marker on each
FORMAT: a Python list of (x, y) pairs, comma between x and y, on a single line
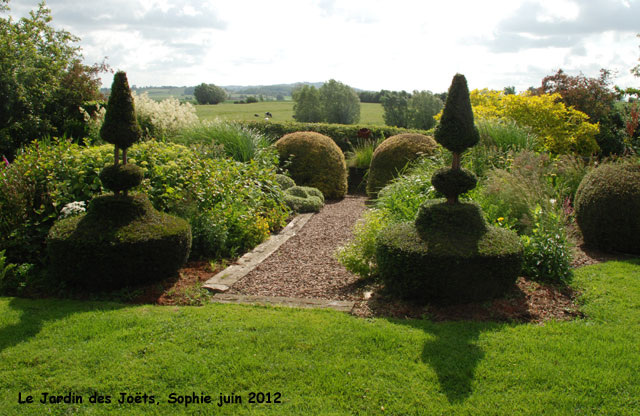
[(120, 127), (240, 203), (393, 155), (118, 178), (547, 255), (607, 207), (359, 255), (304, 199), (506, 135), (315, 161), (120, 241), (284, 181), (343, 135), (162, 119), (209, 94)]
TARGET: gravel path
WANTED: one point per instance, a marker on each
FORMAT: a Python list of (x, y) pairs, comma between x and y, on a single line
[(305, 266)]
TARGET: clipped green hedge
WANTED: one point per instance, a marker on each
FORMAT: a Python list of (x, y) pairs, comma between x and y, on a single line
[(607, 207), (304, 199), (345, 135), (120, 241), (447, 269)]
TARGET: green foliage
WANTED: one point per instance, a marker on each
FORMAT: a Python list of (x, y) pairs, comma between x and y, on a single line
[(42, 81), (5, 271), (231, 206), (340, 103), (436, 219), (607, 205), (393, 155), (361, 154), (315, 161), (423, 105), (547, 255), (284, 181), (209, 94), (446, 268), (506, 136), (342, 135), (236, 141), (120, 126), (456, 130), (453, 182), (120, 241), (304, 199), (119, 178), (396, 108), (307, 106), (163, 119), (359, 255)]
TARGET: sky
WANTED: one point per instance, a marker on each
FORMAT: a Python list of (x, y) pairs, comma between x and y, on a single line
[(367, 44)]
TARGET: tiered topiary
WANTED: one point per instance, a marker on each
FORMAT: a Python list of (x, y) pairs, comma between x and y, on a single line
[(121, 240), (607, 207), (315, 161), (450, 254), (393, 154)]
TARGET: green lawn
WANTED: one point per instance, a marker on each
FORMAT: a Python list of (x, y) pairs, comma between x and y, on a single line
[(325, 362), (370, 113)]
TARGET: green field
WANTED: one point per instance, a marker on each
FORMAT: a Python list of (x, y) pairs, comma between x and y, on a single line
[(370, 113), (318, 362)]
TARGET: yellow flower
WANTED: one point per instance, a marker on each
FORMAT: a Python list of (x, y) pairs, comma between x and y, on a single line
[(500, 219)]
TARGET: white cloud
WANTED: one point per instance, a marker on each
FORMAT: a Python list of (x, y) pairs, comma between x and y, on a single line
[(369, 44)]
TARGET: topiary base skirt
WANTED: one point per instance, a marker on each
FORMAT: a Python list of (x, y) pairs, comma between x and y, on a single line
[(120, 241), (448, 268)]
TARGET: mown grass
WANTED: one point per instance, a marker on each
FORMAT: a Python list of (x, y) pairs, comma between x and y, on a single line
[(370, 113), (324, 362)]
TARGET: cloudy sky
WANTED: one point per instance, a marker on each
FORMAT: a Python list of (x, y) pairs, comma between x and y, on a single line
[(368, 44)]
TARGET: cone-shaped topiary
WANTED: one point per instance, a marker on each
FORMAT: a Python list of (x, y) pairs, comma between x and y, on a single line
[(450, 254), (608, 207), (393, 154), (315, 161), (120, 127)]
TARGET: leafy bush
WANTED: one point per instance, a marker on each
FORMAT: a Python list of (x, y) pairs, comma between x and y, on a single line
[(547, 255), (162, 119), (359, 255), (562, 129), (241, 203), (607, 206), (284, 181), (361, 154), (209, 94), (507, 135), (315, 161), (393, 155)]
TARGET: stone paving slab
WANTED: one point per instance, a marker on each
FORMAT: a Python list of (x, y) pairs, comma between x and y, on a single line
[(339, 305), (223, 280)]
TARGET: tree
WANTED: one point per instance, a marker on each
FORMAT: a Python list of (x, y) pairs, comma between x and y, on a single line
[(42, 79), (422, 106), (339, 102), (306, 107), (396, 107), (511, 90), (209, 94)]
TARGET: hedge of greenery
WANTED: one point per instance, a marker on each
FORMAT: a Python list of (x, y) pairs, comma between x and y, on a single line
[(344, 135), (231, 206)]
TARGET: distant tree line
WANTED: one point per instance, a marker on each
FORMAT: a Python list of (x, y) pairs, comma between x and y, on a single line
[(334, 102), (209, 94)]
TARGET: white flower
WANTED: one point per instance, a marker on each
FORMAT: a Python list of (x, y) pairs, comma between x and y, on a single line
[(73, 208), (553, 201)]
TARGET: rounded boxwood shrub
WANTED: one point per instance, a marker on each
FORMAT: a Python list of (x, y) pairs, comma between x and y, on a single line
[(393, 154), (448, 268), (315, 161), (284, 181), (304, 199), (120, 241), (607, 207), (451, 182)]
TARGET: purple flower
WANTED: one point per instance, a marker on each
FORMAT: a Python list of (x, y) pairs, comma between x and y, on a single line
[(6, 162)]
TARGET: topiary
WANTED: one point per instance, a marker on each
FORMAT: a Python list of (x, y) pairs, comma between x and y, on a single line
[(120, 241), (450, 253), (393, 154), (316, 161), (607, 207), (304, 199), (118, 178)]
